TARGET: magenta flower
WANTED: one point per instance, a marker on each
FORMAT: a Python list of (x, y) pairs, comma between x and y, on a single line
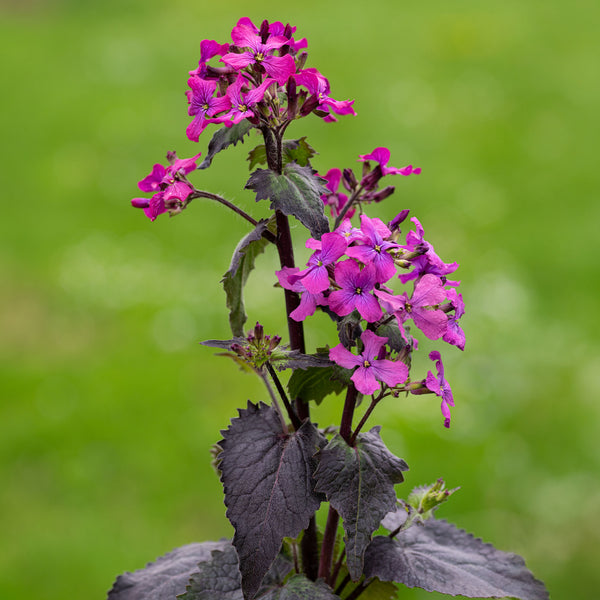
[(348, 230), (208, 49), (454, 334), (373, 249), (335, 200), (382, 156), (171, 191), (244, 35), (331, 247), (356, 285), (242, 103), (427, 260), (289, 278), (370, 369), (439, 386), (318, 87), (429, 293), (203, 105)]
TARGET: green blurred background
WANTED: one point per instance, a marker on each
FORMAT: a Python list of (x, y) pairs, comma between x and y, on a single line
[(108, 404)]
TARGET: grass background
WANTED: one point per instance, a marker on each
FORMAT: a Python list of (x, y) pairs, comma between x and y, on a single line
[(109, 406)]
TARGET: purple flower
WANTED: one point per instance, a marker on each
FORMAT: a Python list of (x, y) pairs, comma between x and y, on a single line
[(356, 285), (203, 105), (290, 279), (242, 103), (439, 386), (382, 156), (426, 261), (208, 50), (171, 190), (245, 35), (318, 87), (347, 230), (335, 200), (429, 293), (331, 247), (370, 369), (454, 334), (373, 249)]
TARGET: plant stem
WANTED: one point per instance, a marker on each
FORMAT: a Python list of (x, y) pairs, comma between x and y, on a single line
[(328, 543), (367, 414), (296, 422), (349, 404), (201, 194), (359, 589), (342, 585), (338, 566), (285, 249), (275, 403), (347, 207)]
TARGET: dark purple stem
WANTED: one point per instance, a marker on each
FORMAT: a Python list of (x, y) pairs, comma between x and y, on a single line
[(367, 414), (328, 543), (349, 404), (285, 248), (359, 589)]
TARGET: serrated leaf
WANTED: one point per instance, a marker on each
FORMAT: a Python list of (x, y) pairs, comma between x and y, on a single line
[(257, 156), (242, 263), (299, 151), (297, 192), (359, 483), (300, 587), (167, 576), (314, 384), (223, 138), (439, 557), (267, 478), (217, 578), (297, 360)]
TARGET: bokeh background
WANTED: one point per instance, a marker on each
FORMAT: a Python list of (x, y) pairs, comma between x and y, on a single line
[(108, 404)]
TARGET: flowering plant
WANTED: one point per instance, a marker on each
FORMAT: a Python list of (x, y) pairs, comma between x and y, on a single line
[(276, 465)]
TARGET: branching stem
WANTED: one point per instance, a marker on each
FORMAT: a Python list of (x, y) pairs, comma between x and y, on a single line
[(290, 410)]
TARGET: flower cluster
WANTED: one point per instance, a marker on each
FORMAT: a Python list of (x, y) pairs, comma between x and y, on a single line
[(350, 273), (261, 70), (172, 190)]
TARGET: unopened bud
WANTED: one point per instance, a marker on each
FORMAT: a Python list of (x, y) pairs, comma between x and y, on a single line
[(301, 61), (349, 179), (264, 31), (292, 97)]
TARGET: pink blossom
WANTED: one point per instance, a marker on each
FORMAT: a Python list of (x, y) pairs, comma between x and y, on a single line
[(370, 369)]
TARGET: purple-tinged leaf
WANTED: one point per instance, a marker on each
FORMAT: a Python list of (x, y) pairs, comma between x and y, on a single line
[(359, 483), (167, 576), (267, 479), (235, 278), (220, 577), (297, 360), (217, 578), (297, 192), (439, 557), (300, 587), (223, 138), (314, 384)]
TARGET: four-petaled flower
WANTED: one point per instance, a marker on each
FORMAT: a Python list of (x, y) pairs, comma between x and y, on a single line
[(371, 369)]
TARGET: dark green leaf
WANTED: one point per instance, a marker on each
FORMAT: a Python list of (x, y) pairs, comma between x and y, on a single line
[(297, 360), (223, 138), (349, 329), (439, 557), (267, 476), (235, 278), (298, 151), (167, 576), (257, 156), (359, 483), (392, 332), (296, 192), (314, 384), (299, 587)]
